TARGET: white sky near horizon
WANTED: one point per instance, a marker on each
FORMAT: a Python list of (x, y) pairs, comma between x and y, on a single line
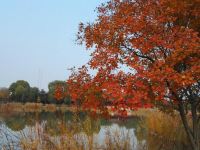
[(37, 39)]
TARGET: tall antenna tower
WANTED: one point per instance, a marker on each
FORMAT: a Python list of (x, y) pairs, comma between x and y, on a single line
[(39, 84)]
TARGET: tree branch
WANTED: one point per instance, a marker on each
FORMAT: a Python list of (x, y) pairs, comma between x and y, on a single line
[(137, 54)]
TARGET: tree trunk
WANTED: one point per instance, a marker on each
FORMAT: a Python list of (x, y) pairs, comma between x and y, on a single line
[(195, 124), (193, 134)]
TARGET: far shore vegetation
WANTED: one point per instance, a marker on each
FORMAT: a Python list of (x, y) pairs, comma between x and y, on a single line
[(21, 92)]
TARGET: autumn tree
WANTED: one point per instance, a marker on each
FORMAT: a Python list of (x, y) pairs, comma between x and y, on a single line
[(58, 92), (158, 42)]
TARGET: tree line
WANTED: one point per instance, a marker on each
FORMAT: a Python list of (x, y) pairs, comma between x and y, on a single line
[(21, 91)]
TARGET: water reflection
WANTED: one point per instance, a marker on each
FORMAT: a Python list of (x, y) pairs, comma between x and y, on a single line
[(59, 123), (56, 124), (18, 121)]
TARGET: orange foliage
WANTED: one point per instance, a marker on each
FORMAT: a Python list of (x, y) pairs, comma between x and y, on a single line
[(156, 39), (59, 93)]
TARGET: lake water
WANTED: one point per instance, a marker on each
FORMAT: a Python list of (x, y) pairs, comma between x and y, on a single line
[(16, 126), (13, 126)]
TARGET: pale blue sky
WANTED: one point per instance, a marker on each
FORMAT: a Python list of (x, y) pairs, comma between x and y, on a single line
[(37, 39)]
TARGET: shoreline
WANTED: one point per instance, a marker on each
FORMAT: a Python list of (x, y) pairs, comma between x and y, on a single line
[(35, 107), (39, 107)]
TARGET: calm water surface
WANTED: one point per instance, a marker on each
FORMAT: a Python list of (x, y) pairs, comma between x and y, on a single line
[(14, 125)]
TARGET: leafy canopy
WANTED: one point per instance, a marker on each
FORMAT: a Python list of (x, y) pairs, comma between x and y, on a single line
[(158, 41)]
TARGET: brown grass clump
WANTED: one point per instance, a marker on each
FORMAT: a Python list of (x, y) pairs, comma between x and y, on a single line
[(164, 131), (117, 140), (32, 107), (11, 107), (166, 126), (50, 107)]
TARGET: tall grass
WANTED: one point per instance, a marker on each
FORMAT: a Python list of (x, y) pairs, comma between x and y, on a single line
[(156, 131), (71, 138), (163, 131)]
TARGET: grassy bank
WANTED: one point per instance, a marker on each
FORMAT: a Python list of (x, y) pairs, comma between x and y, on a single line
[(34, 107), (39, 107)]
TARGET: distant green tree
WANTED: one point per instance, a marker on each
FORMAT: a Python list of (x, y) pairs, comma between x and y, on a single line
[(43, 96), (19, 91), (67, 100), (33, 95)]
